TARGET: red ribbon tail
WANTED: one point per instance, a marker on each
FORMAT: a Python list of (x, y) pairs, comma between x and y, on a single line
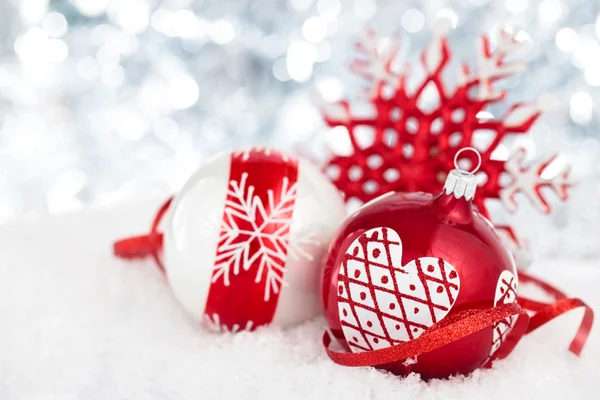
[(144, 245), (524, 277), (551, 311), (137, 246), (545, 312)]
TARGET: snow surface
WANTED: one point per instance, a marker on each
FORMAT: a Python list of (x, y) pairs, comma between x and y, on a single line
[(78, 324)]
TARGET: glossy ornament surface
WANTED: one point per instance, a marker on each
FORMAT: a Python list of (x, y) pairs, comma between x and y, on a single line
[(412, 261), (244, 237)]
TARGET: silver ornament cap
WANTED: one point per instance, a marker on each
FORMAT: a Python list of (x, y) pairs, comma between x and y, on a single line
[(461, 183)]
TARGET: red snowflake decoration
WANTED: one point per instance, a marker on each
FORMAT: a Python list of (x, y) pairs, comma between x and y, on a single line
[(417, 133)]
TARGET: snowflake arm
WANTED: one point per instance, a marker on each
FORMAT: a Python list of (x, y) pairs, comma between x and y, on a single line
[(375, 64), (213, 322), (491, 65), (529, 181)]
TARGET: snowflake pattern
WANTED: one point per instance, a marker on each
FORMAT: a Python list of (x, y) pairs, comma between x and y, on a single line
[(213, 323), (255, 234), (409, 139), (528, 180)]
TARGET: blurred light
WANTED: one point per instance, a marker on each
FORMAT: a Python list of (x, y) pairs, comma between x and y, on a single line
[(587, 55), (301, 4), (447, 18), (55, 24), (112, 75), (131, 126), (328, 8), (592, 75), (598, 25), (108, 55), (57, 50), (280, 70), (131, 15), (314, 29), (300, 58), (100, 33), (32, 41), (160, 21), (551, 10), (183, 92), (88, 68), (566, 39), (35, 48), (91, 8), (330, 89), (298, 117), (166, 129), (365, 9), (412, 20), (323, 52), (32, 11), (185, 22), (222, 32), (581, 107), (516, 6)]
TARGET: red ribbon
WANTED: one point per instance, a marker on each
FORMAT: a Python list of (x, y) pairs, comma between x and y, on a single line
[(545, 312), (144, 245), (447, 331), (467, 322)]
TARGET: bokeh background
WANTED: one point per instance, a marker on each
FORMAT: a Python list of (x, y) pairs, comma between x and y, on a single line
[(103, 102)]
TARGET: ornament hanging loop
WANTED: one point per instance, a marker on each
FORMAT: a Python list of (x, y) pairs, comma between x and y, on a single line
[(474, 150), (461, 183)]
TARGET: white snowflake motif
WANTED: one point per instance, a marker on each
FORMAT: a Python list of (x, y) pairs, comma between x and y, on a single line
[(213, 322), (529, 180), (253, 233)]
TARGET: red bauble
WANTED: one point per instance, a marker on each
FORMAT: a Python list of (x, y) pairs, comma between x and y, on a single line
[(405, 263)]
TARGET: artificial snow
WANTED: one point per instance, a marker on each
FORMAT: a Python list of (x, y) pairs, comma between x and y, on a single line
[(79, 324)]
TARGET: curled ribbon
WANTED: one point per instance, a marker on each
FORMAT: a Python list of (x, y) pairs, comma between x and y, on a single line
[(467, 322), (545, 312)]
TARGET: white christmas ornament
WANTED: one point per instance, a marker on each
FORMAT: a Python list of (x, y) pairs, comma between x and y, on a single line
[(243, 239)]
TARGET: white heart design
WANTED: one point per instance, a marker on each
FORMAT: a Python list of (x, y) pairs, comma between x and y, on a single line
[(506, 292), (382, 303)]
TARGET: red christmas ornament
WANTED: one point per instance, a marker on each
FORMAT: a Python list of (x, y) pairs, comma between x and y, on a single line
[(422, 283), (405, 263), (408, 140)]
